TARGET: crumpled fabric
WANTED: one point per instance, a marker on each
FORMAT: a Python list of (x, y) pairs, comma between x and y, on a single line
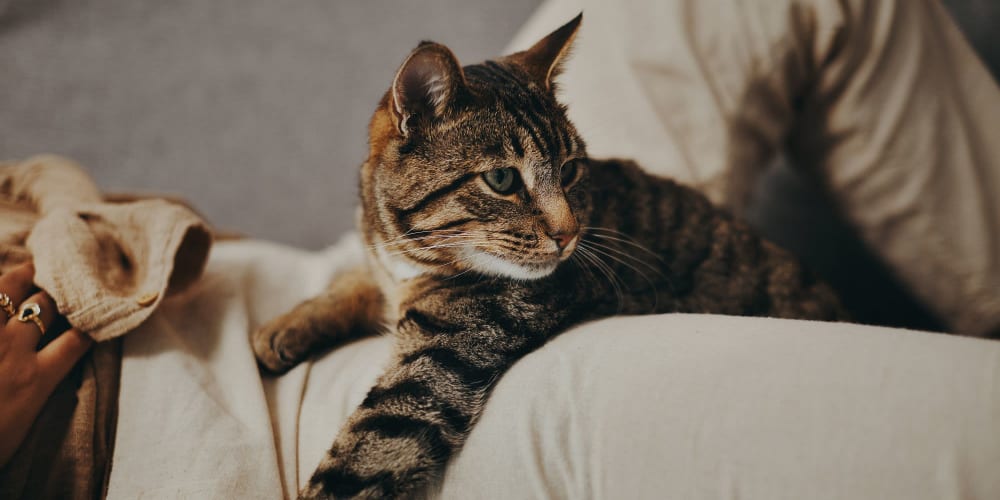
[(108, 265)]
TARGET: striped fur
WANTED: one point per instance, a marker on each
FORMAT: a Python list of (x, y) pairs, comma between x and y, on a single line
[(469, 280)]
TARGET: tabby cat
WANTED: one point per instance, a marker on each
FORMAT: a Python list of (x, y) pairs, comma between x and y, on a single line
[(490, 231)]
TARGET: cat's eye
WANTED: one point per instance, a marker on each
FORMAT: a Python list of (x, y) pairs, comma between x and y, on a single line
[(503, 180), (568, 173)]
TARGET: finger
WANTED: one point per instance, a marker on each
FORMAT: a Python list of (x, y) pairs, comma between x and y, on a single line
[(24, 335), (58, 358), (17, 283)]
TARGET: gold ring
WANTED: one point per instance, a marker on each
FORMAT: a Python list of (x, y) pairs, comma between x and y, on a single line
[(31, 311), (7, 305)]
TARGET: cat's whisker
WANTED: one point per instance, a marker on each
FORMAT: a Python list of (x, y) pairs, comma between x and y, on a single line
[(410, 237), (468, 269), (400, 243), (577, 259), (618, 260), (458, 259), (390, 244), (607, 271), (449, 263), (628, 240), (627, 255), (613, 278), (427, 246), (397, 242), (622, 238), (616, 280), (440, 245), (622, 262), (652, 284), (415, 231)]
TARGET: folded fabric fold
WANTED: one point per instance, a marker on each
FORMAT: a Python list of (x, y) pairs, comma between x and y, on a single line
[(108, 265)]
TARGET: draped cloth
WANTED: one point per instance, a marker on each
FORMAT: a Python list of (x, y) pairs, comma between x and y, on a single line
[(107, 263)]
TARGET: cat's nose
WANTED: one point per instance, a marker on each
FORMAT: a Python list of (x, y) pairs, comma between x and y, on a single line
[(562, 238)]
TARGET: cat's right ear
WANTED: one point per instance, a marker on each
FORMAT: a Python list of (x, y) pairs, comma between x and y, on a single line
[(426, 84)]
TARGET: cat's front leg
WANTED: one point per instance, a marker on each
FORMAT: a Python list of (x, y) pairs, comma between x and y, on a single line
[(351, 307), (453, 343), (398, 442)]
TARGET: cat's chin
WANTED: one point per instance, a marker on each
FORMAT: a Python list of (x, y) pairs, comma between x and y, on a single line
[(489, 264)]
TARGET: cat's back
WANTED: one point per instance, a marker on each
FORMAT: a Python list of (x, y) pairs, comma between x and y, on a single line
[(628, 195), (708, 261)]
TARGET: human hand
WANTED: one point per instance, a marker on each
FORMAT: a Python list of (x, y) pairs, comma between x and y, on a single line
[(28, 376)]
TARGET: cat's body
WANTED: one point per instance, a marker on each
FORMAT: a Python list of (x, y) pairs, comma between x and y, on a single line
[(470, 271)]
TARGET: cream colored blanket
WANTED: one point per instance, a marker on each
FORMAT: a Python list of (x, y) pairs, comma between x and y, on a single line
[(670, 406)]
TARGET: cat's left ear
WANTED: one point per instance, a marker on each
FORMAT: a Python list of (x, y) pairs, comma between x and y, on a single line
[(543, 61), (426, 84)]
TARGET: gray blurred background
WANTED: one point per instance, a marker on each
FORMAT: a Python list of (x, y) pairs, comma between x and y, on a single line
[(254, 110)]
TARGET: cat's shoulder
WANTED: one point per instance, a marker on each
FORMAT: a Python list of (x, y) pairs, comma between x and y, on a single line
[(618, 171), (617, 167)]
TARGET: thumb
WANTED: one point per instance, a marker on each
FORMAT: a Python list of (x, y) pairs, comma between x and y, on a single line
[(57, 359)]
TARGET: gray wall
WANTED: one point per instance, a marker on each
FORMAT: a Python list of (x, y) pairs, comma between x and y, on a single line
[(255, 110)]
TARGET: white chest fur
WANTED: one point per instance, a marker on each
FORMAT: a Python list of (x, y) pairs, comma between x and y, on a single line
[(391, 273)]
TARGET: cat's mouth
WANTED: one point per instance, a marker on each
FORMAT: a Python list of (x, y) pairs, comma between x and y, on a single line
[(486, 262), (566, 252)]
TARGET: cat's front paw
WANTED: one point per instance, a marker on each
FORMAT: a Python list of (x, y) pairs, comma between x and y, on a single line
[(380, 456), (338, 483), (281, 344)]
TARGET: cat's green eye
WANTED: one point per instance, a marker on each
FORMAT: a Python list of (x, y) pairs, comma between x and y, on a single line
[(568, 173), (503, 180)]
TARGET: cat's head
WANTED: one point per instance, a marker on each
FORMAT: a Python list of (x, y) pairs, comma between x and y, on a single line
[(476, 168)]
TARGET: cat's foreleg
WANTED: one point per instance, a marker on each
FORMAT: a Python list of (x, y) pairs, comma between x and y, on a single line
[(351, 307), (403, 434), (418, 415)]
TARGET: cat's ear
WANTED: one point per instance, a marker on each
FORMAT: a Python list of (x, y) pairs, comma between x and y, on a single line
[(426, 84), (543, 61)]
